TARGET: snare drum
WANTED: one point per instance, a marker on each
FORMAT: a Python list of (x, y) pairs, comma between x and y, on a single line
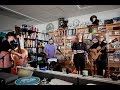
[(52, 59)]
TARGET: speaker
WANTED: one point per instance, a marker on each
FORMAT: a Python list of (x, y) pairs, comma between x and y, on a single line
[(60, 22)]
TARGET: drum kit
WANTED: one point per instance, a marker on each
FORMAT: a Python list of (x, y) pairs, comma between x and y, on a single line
[(52, 60), (52, 63)]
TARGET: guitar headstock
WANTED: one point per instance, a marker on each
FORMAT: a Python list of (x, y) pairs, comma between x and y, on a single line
[(114, 40)]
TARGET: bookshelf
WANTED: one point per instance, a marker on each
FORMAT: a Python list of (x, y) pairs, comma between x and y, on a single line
[(34, 44), (113, 31)]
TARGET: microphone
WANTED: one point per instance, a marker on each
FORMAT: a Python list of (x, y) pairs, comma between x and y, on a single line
[(59, 50)]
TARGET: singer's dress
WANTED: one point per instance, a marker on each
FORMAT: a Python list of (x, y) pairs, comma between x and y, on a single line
[(6, 65)]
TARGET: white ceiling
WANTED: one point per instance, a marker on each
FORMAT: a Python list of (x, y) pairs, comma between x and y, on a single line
[(38, 14)]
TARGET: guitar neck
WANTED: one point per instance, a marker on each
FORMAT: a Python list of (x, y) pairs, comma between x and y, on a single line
[(17, 29), (19, 48)]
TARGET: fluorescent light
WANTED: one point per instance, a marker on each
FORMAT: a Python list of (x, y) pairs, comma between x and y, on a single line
[(78, 6)]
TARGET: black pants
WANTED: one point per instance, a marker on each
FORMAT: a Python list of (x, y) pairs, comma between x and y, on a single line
[(101, 64), (79, 64), (7, 70)]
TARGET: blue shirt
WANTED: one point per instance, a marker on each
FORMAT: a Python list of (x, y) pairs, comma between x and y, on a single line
[(50, 50)]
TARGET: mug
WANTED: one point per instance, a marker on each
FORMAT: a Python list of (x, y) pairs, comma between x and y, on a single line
[(85, 72)]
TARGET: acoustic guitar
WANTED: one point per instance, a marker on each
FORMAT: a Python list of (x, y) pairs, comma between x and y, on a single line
[(95, 55), (18, 61)]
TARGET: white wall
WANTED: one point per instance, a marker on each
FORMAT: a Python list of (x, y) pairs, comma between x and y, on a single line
[(10, 24), (85, 18), (42, 27)]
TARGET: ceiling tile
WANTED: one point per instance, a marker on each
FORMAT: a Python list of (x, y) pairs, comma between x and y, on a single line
[(56, 12), (27, 9), (47, 7), (68, 8), (48, 13)]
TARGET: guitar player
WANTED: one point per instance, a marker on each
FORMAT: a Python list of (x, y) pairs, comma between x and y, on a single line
[(6, 50), (101, 61)]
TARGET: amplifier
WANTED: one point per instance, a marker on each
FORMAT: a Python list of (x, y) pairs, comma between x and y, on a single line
[(62, 23)]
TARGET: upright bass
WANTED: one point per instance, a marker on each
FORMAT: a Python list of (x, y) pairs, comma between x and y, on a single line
[(18, 61), (70, 67)]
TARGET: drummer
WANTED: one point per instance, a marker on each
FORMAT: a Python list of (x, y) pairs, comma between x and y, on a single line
[(50, 49)]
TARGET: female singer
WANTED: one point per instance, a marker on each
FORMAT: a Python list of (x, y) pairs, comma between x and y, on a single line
[(79, 55)]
